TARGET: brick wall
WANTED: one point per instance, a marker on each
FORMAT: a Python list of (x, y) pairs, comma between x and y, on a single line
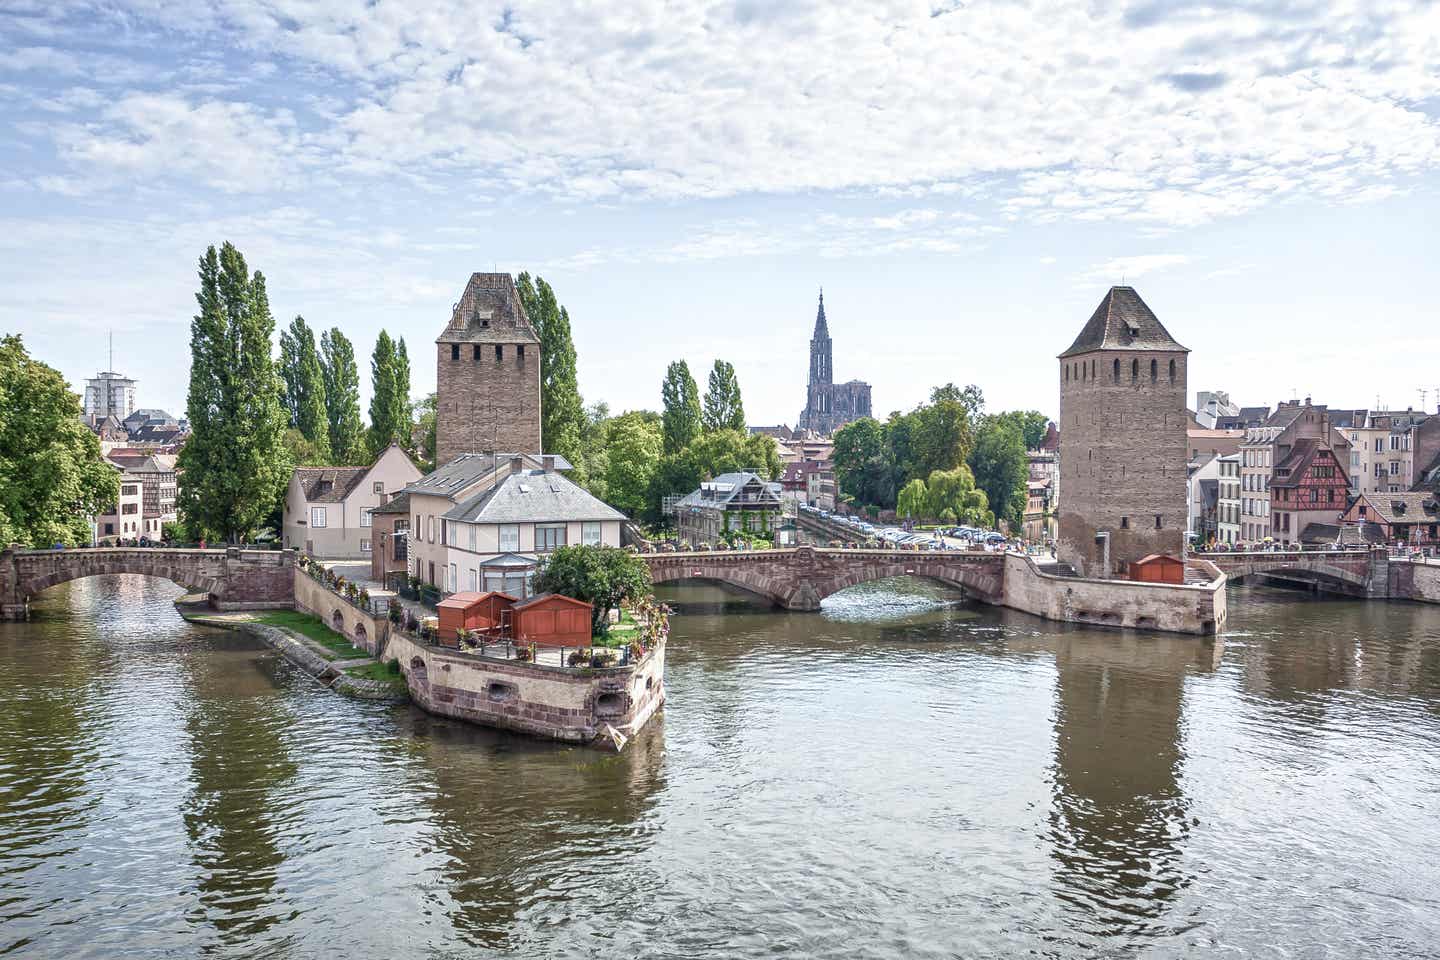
[(487, 404), (1122, 457)]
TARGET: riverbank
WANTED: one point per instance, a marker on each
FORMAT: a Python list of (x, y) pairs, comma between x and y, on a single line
[(333, 663)]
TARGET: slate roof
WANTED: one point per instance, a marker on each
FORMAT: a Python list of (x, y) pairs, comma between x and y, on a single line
[(400, 504), (1122, 321), (532, 496), (725, 488), (1302, 454), (1411, 507), (489, 311), (341, 480)]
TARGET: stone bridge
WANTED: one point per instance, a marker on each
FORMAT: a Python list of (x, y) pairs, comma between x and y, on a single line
[(1362, 573), (233, 577), (798, 579)]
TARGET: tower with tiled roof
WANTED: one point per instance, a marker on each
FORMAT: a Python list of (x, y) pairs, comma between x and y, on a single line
[(1122, 439), (487, 396)]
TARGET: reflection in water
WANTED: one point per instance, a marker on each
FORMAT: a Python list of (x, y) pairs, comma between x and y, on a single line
[(899, 775)]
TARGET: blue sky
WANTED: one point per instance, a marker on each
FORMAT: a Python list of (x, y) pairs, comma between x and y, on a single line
[(964, 178)]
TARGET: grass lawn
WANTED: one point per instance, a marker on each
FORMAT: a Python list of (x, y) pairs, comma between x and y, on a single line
[(376, 671), (621, 633), (314, 629)]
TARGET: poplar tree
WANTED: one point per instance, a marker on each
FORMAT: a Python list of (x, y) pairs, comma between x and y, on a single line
[(304, 381), (342, 398), (723, 408), (562, 411), (390, 395), (234, 467), (680, 399)]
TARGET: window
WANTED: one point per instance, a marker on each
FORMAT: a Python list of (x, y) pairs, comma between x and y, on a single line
[(499, 352), (444, 528), (430, 528), (471, 536), (1394, 468), (365, 516), (1154, 369), (454, 351), (509, 537), (1134, 370), (1314, 495), (1124, 523), (1067, 373), (317, 516), (378, 486), (109, 528), (364, 546), (1172, 371), (1117, 369), (1159, 522), (454, 579), (130, 508), (590, 534), (476, 353), (549, 536), (474, 577), (520, 353), (128, 490), (417, 522)]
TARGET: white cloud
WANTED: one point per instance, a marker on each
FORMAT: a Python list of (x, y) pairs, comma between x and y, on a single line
[(1127, 269), (1182, 116)]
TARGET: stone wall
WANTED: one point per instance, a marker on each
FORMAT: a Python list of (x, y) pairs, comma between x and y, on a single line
[(255, 580), (1410, 580), (1198, 609), (366, 631), (558, 703), (1123, 451), (487, 404)]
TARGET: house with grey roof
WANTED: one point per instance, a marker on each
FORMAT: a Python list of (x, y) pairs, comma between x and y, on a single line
[(483, 521), (327, 511), (736, 503)]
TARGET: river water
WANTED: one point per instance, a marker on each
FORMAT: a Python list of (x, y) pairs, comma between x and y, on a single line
[(900, 775)]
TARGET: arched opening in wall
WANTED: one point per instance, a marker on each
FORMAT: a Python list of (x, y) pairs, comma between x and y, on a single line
[(1134, 370), (337, 620), (105, 589), (1172, 371), (896, 597), (1067, 373), (1117, 369), (362, 636), (1154, 369), (710, 596), (1092, 370), (610, 704), (419, 676)]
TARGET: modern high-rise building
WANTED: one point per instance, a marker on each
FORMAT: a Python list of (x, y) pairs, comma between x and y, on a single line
[(1122, 439), (109, 394), (488, 374)]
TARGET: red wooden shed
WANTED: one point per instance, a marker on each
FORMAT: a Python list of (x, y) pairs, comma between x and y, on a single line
[(1158, 568), (551, 620), (471, 611)]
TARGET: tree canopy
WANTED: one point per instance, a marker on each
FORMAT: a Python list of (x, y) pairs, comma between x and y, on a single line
[(865, 463), (1001, 468), (234, 467), (304, 393), (723, 407), (342, 399), (680, 399), (562, 412), (632, 456), (390, 395), (52, 477), (602, 576)]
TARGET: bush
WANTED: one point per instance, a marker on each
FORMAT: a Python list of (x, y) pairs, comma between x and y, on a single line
[(604, 577)]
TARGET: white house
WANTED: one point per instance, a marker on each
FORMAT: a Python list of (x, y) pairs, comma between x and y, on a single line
[(327, 509)]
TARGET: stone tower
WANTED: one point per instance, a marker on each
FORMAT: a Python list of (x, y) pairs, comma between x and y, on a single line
[(828, 405), (1122, 439), (488, 376)]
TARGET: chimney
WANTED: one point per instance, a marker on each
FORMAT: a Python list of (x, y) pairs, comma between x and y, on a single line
[(517, 463), (548, 461)]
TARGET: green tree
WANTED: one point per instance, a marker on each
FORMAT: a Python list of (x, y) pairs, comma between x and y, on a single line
[(864, 463), (342, 398), (304, 393), (943, 436), (1032, 425), (52, 477), (632, 456), (594, 463), (234, 467), (390, 395), (681, 407), (562, 412), (424, 416), (913, 501), (954, 498), (709, 455), (1001, 468), (723, 407), (602, 576)]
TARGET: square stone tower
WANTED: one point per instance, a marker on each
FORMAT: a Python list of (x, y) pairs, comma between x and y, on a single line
[(488, 376), (1122, 439)]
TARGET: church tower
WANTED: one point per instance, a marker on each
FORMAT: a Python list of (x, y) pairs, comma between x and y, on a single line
[(821, 353), (487, 396), (1122, 439)]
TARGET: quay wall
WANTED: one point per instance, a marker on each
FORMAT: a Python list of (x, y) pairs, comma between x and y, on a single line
[(1415, 580), (558, 703), (1178, 608), (369, 632)]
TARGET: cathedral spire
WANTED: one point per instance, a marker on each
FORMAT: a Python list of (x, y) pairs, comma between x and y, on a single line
[(821, 330)]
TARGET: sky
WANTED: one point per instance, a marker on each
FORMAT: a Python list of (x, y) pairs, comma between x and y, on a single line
[(964, 179)]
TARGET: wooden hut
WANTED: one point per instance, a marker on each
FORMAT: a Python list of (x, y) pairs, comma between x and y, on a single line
[(1158, 568), (551, 620), (472, 611)]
